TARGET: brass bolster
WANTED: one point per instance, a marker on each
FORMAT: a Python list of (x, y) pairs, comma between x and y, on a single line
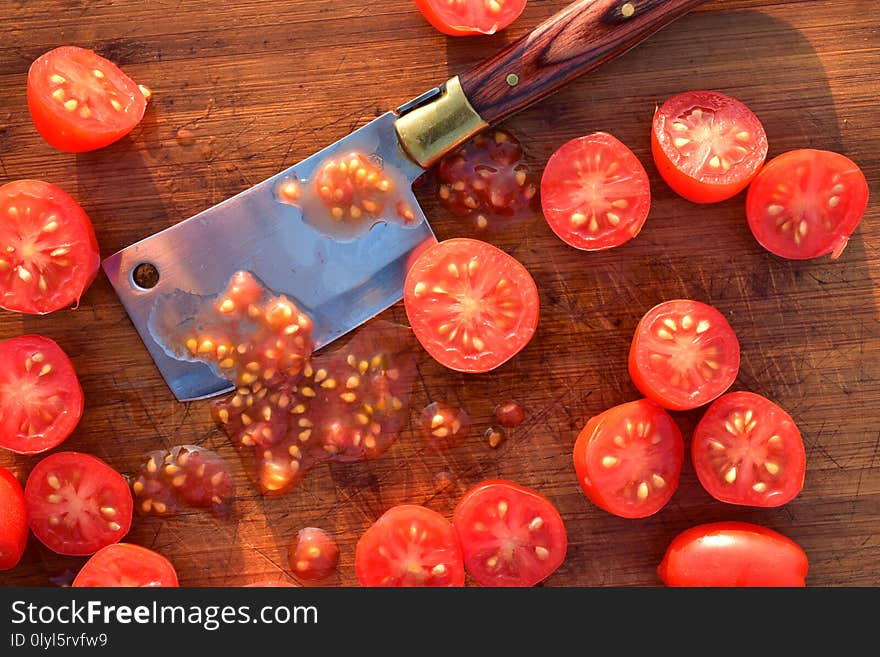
[(428, 132)]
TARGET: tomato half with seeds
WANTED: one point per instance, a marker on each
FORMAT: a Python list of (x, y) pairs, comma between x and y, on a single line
[(41, 400), (510, 535), (80, 101), (806, 203), (726, 554), (313, 554), (628, 459), (595, 193), (684, 354), (48, 250), (126, 565), (707, 146), (747, 450), (77, 504), (468, 17), (13, 520), (471, 306), (409, 545)]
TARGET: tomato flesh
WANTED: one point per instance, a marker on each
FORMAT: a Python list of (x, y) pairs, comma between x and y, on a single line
[(628, 459), (684, 354), (443, 426), (747, 450), (471, 306), (468, 17), (807, 203), (707, 146), (510, 535), (595, 193), (126, 565), (313, 554), (409, 545), (77, 504), (13, 520), (48, 250), (727, 554), (80, 101)]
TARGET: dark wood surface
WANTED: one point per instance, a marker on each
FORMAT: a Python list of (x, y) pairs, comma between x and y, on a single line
[(261, 85)]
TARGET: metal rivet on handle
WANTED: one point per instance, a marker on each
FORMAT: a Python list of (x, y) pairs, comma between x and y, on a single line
[(512, 79), (627, 10)]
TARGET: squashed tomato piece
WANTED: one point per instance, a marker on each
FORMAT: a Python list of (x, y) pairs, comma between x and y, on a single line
[(41, 400), (595, 193), (13, 520), (510, 535), (77, 504), (707, 146), (806, 203), (628, 459), (487, 177), (313, 554), (184, 474), (126, 565), (80, 101), (467, 17), (747, 450), (471, 306), (725, 554), (443, 426), (48, 251), (684, 354), (409, 545)]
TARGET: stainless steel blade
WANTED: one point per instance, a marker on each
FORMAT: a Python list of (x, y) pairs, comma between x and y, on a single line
[(341, 284)]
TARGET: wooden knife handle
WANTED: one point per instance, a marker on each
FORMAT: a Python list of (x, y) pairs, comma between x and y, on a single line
[(581, 37)]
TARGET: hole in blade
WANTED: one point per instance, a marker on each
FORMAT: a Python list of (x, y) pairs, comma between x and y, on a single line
[(145, 276)]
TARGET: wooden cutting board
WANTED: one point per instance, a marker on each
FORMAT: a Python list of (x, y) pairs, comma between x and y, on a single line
[(261, 85)]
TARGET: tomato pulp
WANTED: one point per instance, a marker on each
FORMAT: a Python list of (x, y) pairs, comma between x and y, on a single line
[(13, 520), (747, 450), (707, 146), (628, 459), (48, 250), (510, 535), (806, 203), (683, 354), (468, 17), (733, 554), (471, 306), (126, 565), (80, 101), (595, 193)]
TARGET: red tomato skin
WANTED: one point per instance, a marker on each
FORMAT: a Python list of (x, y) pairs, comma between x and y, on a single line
[(733, 554), (91, 263), (430, 14), (560, 537), (13, 520), (57, 128), (72, 413), (152, 569), (685, 185)]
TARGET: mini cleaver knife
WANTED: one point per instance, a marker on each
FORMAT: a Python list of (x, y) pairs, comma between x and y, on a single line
[(343, 282)]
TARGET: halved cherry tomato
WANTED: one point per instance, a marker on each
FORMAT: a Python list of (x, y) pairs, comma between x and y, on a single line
[(80, 101), (48, 251), (128, 565), (628, 459), (470, 305), (466, 17), (13, 520), (409, 545), (806, 203), (683, 354), (707, 146), (733, 554), (41, 400), (595, 193), (77, 504), (510, 535), (747, 450)]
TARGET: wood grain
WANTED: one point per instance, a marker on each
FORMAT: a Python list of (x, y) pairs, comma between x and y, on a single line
[(262, 85)]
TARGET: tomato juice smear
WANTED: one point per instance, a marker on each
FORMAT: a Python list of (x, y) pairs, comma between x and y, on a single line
[(292, 410), (348, 194)]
